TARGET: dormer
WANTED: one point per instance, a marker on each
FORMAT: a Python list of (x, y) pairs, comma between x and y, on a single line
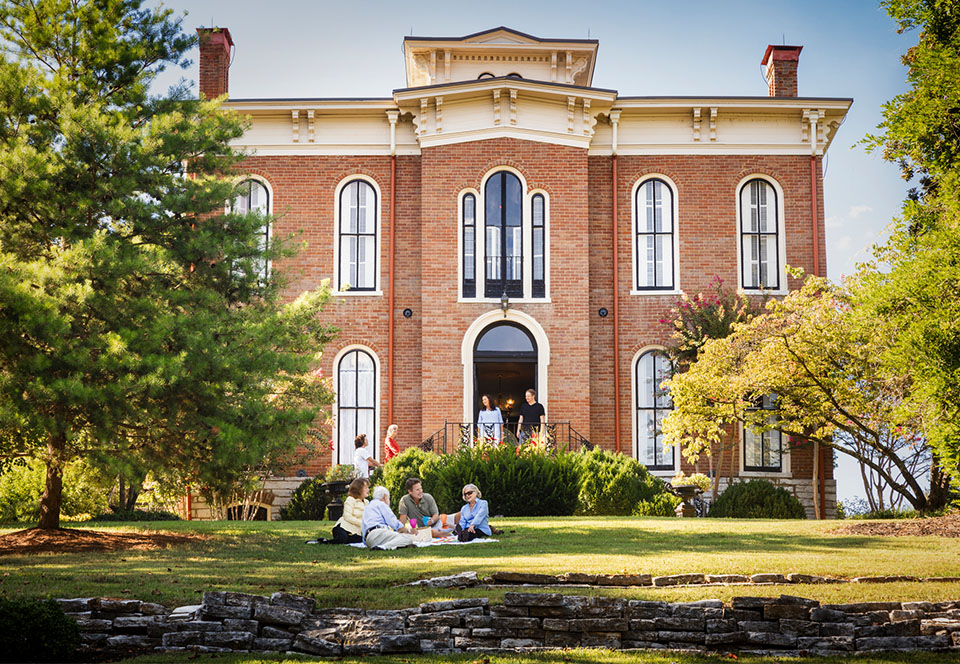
[(495, 53)]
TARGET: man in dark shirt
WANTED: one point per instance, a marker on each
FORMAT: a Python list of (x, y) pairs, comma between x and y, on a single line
[(532, 416)]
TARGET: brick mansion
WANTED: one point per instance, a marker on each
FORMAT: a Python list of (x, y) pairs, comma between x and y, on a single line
[(497, 223)]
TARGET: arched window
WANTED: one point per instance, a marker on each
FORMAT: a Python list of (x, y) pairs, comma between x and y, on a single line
[(253, 197), (358, 237), (653, 209), (503, 217), (763, 452), (653, 404), (469, 239), (356, 402), (538, 214), (759, 235), (485, 74)]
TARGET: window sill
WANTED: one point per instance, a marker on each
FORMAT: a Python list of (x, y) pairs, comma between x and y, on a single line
[(760, 291), (492, 300), (350, 293), (673, 292), (781, 474)]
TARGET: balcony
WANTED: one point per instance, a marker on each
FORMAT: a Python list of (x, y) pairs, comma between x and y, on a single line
[(550, 435)]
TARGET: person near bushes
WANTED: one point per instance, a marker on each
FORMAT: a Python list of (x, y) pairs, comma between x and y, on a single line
[(390, 447), (473, 516), (349, 528), (489, 421), (381, 529), (363, 459), (419, 507), (532, 417)]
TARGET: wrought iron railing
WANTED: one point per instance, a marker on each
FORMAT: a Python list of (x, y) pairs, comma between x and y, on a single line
[(550, 435)]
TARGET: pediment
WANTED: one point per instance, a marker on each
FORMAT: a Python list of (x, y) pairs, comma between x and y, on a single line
[(501, 35)]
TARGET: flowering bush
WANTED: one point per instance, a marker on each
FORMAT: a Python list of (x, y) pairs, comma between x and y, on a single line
[(698, 480)]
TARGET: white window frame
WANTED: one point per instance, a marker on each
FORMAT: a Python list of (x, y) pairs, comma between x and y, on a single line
[(785, 470), (375, 443), (266, 184), (781, 235), (634, 289), (527, 232), (378, 279), (633, 414)]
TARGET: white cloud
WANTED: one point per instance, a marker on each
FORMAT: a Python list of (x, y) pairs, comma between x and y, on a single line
[(857, 210)]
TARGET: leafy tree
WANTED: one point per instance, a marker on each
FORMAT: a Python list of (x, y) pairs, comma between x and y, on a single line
[(139, 328), (912, 288), (823, 364)]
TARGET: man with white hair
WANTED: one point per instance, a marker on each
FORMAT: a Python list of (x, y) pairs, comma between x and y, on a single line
[(381, 529)]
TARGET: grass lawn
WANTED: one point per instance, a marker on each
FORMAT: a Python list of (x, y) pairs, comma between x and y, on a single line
[(262, 558), (558, 657)]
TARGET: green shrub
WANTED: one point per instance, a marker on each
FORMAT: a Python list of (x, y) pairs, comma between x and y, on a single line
[(308, 502), (412, 462), (614, 484), (524, 481), (756, 499), (663, 504), (137, 515), (84, 492), (32, 631)]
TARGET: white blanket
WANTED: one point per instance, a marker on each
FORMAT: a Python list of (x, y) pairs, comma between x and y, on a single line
[(450, 539)]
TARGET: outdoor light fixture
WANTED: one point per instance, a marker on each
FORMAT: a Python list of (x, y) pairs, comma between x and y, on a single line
[(603, 312), (504, 303), (407, 313)]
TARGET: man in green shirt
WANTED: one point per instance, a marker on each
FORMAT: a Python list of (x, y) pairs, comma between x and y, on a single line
[(418, 505)]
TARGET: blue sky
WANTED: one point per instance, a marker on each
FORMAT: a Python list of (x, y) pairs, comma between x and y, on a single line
[(851, 49)]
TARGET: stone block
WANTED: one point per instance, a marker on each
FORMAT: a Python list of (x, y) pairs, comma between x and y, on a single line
[(741, 614), (551, 612), (901, 628), (723, 638), (799, 627), (75, 605), (864, 607), (461, 580), (133, 624), (464, 642), (304, 642), (758, 626), (897, 616), (882, 579), (454, 604), (791, 611), (240, 625), (609, 640), (224, 611), (474, 622), (338, 612), (678, 580), (886, 643), (516, 623), (232, 640), (298, 602), (561, 639), (684, 611), (533, 599), (805, 578), (433, 632), (768, 578), (277, 615), (94, 639), (266, 644), (647, 604), (842, 643), (599, 625), (509, 611), (200, 626), (828, 615), (642, 645), (577, 577), (680, 624), (152, 609), (934, 625), (771, 639), (727, 578), (490, 633), (243, 599), (700, 604), (643, 625), (718, 626), (751, 603), (837, 629), (172, 639), (925, 607), (131, 641), (459, 631), (434, 620), (437, 646), (676, 636), (523, 577), (798, 601), (558, 624), (520, 643), (117, 605), (94, 624), (270, 632), (399, 643), (625, 580)]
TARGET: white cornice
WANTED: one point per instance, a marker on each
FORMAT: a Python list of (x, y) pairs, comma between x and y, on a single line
[(539, 88)]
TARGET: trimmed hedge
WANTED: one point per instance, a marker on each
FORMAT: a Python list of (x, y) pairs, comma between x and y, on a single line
[(32, 631), (308, 502), (756, 499), (614, 484)]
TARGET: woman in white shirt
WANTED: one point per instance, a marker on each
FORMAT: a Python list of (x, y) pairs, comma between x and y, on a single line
[(363, 459), (348, 529), (489, 421)]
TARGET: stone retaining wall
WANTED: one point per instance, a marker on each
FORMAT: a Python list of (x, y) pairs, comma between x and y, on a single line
[(785, 625)]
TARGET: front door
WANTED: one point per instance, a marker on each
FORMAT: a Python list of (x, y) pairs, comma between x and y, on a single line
[(505, 366)]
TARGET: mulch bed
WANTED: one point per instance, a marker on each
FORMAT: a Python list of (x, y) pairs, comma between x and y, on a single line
[(70, 540), (941, 526)]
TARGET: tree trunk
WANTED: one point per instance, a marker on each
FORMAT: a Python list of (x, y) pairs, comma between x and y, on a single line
[(53, 491), (939, 486), (716, 476), (816, 481)]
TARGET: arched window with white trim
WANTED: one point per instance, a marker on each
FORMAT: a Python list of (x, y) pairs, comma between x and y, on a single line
[(253, 197), (653, 404), (469, 244), (357, 237), (356, 402), (538, 213), (503, 218), (654, 226), (759, 235)]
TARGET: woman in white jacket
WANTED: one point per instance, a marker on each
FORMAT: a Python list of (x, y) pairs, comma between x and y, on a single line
[(348, 528)]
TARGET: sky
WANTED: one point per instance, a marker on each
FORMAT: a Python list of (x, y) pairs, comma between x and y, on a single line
[(851, 48)]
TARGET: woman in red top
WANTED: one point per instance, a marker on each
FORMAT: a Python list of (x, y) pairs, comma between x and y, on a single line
[(390, 443)]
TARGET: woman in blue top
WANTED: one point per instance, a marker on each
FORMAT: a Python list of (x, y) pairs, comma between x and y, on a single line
[(489, 421), (473, 516)]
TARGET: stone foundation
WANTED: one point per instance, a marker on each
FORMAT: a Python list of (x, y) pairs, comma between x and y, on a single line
[(777, 626), (277, 492), (802, 489)]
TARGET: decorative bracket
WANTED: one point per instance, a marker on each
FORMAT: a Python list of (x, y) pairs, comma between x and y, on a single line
[(446, 64), (568, 60), (513, 106), (312, 134), (433, 66), (295, 122), (578, 66), (438, 115), (423, 117), (553, 66), (571, 105), (588, 121), (496, 107), (696, 124), (713, 124)]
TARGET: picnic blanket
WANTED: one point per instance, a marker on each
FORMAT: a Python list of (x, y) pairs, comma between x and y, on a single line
[(449, 539)]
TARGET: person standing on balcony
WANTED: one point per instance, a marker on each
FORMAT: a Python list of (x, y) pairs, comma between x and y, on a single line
[(532, 417), (363, 459), (489, 421), (390, 447)]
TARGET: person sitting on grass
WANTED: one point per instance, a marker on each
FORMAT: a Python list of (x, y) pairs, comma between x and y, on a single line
[(420, 507), (473, 516), (349, 528), (381, 529)]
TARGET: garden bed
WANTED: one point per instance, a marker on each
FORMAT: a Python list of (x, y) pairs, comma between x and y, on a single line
[(941, 526), (69, 540)]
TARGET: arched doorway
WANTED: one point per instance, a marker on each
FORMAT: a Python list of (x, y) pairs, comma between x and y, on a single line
[(504, 366)]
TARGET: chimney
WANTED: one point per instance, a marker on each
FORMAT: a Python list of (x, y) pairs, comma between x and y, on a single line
[(781, 73), (215, 46)]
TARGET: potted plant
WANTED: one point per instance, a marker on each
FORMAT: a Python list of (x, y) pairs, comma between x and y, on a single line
[(335, 483), (687, 488)]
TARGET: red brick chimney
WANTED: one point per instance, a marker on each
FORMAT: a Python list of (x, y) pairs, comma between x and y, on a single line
[(781, 72), (215, 46)]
